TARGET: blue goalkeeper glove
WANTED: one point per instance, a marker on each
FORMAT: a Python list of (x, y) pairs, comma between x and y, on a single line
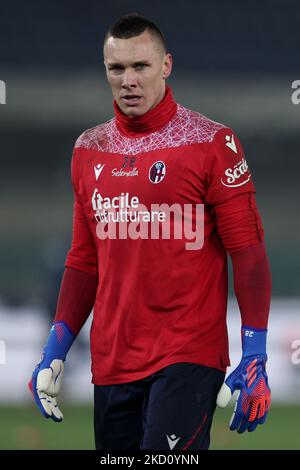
[(46, 379), (251, 380)]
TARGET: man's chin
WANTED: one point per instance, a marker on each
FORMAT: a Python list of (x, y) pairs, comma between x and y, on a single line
[(133, 111)]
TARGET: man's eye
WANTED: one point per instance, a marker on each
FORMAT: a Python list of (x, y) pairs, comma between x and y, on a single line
[(140, 66), (116, 68)]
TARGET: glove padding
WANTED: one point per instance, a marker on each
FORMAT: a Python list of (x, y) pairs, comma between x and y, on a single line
[(254, 395), (45, 386), (47, 376)]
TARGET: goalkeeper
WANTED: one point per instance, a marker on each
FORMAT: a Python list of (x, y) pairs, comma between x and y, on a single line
[(159, 341)]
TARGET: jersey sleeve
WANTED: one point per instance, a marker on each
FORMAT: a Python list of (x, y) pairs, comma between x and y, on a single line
[(231, 194), (227, 172), (82, 254)]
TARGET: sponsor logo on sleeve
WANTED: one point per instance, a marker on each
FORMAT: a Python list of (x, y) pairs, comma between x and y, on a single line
[(234, 174)]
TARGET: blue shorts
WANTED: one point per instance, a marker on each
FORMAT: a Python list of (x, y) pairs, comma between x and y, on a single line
[(171, 409)]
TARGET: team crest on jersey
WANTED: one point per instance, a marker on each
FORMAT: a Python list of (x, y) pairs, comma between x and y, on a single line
[(157, 172)]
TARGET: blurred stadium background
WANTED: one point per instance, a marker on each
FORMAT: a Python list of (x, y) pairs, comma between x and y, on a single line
[(234, 62)]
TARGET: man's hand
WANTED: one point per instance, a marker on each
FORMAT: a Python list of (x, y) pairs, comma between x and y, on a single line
[(251, 381), (46, 379), (45, 386)]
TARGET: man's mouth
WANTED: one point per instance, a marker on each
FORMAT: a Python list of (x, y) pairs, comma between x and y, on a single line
[(131, 100)]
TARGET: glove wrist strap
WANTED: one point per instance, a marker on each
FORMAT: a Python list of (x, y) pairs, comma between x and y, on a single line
[(59, 341), (253, 341)]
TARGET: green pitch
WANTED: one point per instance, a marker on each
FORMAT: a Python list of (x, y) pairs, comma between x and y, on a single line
[(25, 428)]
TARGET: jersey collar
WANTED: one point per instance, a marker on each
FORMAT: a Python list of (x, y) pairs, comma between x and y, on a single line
[(149, 122)]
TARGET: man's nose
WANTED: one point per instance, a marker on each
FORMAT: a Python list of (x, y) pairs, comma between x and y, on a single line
[(129, 78)]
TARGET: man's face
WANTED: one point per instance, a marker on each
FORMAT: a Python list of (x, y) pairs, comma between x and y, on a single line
[(136, 69)]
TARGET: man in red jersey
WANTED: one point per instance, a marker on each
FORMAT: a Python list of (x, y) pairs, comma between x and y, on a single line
[(159, 340)]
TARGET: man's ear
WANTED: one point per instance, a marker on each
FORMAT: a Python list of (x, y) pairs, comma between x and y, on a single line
[(168, 63)]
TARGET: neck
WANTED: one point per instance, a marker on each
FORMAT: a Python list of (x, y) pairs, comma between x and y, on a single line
[(151, 121)]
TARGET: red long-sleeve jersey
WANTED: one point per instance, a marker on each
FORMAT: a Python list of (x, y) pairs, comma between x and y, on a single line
[(158, 303)]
